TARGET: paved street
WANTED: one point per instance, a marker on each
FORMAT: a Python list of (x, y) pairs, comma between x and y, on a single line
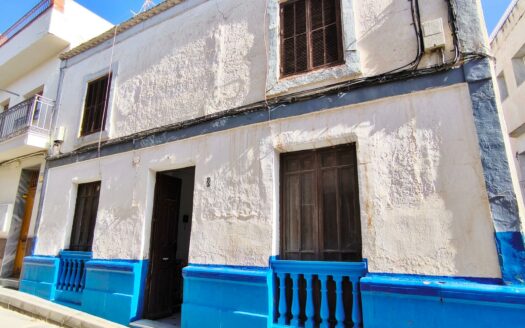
[(12, 319)]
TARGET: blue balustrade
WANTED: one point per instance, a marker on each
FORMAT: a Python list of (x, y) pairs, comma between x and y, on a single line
[(72, 271), (317, 293)]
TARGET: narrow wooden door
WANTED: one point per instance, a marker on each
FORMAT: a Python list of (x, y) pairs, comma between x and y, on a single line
[(24, 230), (163, 270)]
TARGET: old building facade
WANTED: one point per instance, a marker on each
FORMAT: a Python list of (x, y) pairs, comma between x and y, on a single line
[(283, 163), (29, 75)]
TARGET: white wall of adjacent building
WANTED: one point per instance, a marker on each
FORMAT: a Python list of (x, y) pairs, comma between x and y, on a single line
[(508, 48), (29, 64)]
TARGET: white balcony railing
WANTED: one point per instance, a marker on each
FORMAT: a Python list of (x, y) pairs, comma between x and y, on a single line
[(34, 113)]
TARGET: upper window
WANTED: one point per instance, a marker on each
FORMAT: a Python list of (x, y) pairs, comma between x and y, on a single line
[(320, 205), (310, 35), (502, 84), (85, 217), (95, 105)]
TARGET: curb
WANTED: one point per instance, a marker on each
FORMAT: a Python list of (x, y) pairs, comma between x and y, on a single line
[(50, 312)]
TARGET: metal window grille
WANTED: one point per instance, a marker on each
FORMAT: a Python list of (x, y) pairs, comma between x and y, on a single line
[(311, 36)]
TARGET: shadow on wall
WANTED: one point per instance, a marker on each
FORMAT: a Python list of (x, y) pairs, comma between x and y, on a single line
[(389, 25), (207, 71), (429, 190)]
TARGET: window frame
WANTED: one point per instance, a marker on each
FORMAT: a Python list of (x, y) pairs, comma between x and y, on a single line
[(308, 31), (79, 221), (105, 106), (350, 67), (317, 230)]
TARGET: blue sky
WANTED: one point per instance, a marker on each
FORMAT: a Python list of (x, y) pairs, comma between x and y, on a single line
[(117, 11)]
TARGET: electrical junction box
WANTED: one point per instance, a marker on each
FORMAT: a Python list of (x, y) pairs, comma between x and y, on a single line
[(433, 34), (60, 133), (6, 212)]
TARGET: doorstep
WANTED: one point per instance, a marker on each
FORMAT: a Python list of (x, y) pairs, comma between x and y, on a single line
[(11, 283)]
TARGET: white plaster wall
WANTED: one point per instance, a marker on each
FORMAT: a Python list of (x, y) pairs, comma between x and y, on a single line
[(505, 45), (45, 75), (424, 208), (77, 24), (28, 36), (509, 40), (202, 57)]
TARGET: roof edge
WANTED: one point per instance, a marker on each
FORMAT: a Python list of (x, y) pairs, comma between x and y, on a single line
[(502, 20), (120, 28)]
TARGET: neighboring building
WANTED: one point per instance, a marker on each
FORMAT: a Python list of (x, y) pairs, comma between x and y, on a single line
[(295, 161), (29, 75), (508, 48)]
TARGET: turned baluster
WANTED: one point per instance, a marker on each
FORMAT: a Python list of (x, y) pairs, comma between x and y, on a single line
[(356, 306), (325, 312), (67, 266), (295, 300), (282, 298), (339, 306), (309, 310)]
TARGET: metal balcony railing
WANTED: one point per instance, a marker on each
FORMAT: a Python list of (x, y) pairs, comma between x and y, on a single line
[(317, 293), (34, 113), (27, 19)]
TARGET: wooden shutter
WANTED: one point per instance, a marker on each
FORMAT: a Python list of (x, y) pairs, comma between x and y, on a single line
[(310, 35), (85, 217), (320, 205), (95, 105)]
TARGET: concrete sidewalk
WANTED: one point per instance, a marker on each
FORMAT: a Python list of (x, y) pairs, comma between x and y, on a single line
[(35, 312), (12, 319)]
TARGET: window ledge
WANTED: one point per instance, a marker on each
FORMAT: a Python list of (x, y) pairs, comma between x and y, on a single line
[(90, 139), (318, 77), (277, 85)]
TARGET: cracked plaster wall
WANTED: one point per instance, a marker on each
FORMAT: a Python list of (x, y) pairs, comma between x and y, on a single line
[(424, 207), (211, 56)]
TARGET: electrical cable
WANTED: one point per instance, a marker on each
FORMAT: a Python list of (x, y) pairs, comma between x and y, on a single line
[(407, 71)]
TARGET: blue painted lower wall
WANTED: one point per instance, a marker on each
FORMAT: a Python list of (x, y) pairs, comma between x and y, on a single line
[(113, 288), (225, 296), (222, 296), (511, 253), (394, 301), (39, 276)]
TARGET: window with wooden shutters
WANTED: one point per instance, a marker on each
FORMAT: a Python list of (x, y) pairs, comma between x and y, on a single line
[(95, 105), (320, 205), (85, 217), (310, 35)]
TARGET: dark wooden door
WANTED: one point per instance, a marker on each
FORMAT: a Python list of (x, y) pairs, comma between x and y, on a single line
[(164, 273)]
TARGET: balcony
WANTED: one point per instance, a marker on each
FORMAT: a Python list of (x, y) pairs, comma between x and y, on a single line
[(32, 40), (25, 127), (316, 294), (27, 19)]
